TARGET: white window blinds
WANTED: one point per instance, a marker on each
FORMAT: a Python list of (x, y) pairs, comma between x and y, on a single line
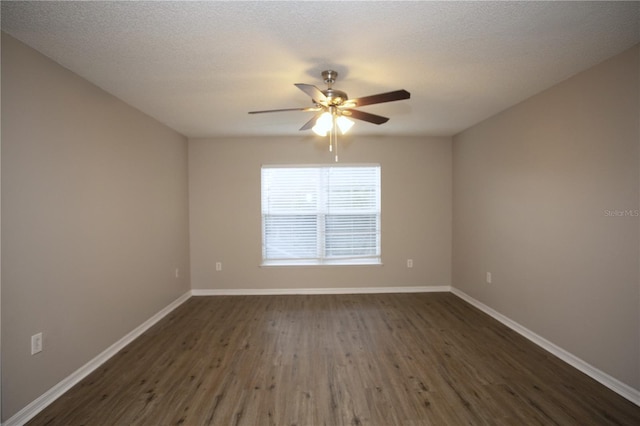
[(320, 215)]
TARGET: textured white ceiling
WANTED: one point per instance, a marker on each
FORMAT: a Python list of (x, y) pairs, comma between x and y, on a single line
[(200, 66)]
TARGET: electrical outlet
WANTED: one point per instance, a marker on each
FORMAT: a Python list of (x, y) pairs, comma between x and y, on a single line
[(177, 273), (489, 278), (36, 343), (218, 266), (409, 263)]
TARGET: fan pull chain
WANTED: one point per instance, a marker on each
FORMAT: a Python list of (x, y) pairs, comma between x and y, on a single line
[(334, 131)]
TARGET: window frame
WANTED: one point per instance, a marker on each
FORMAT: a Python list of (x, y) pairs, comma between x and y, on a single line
[(322, 258)]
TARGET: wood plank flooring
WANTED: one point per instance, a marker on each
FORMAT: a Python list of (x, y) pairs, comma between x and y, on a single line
[(385, 359)]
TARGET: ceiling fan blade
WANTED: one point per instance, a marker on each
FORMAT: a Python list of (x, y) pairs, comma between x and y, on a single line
[(313, 92), (284, 109), (396, 95), (365, 116), (309, 124)]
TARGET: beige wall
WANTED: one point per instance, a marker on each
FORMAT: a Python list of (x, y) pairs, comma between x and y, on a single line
[(532, 189), (224, 184), (94, 221)]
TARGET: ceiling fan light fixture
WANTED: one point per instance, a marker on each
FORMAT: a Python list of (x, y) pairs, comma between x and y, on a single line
[(344, 124), (319, 131), (323, 124)]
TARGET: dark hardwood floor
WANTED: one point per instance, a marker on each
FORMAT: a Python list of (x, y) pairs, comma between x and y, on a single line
[(385, 359)]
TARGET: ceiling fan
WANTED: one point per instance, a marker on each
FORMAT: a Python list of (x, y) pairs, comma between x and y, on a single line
[(336, 105), (332, 107)]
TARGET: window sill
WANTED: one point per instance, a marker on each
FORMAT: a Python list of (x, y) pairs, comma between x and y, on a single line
[(307, 263)]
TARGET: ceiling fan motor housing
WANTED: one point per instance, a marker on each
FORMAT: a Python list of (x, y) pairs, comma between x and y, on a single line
[(335, 97)]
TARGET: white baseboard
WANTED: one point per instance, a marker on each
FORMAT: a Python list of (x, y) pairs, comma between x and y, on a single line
[(39, 404), (340, 290), (612, 383)]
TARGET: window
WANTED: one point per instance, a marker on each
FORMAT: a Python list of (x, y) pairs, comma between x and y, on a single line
[(321, 215)]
